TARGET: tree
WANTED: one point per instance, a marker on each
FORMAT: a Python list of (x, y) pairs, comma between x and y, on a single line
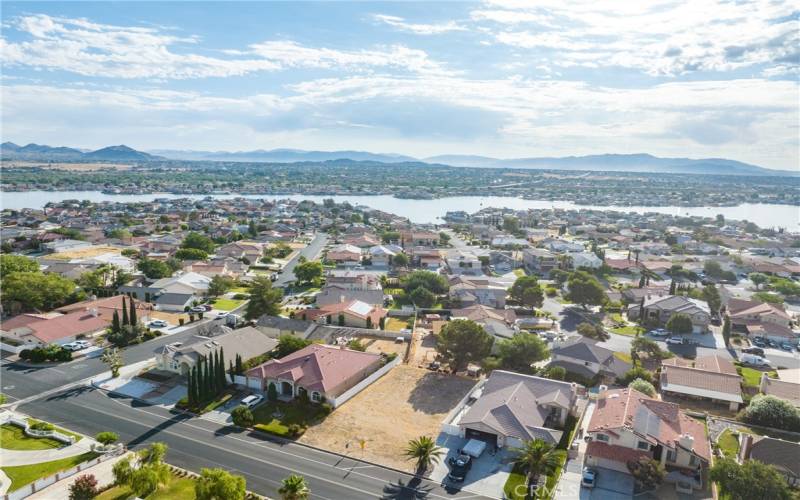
[(219, 484), (154, 269), (308, 271), (133, 320), (424, 450), (153, 454), (584, 289), (752, 479), (633, 374), (536, 457), (122, 471), (672, 286), (511, 224), (648, 473), (36, 291), (242, 416), (559, 277), (520, 352), (17, 264), (294, 487), (191, 254), (115, 324), (711, 296), (679, 324), (643, 386), (644, 345), (146, 479), (422, 297), (758, 279), (125, 320), (106, 437), (272, 392), (462, 341), (113, 358), (264, 299), (592, 331), (400, 260), (220, 285), (433, 282), (526, 291), (198, 241), (444, 238), (288, 344), (556, 373), (726, 330), (84, 488), (770, 411)]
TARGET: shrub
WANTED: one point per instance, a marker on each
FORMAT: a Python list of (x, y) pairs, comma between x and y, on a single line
[(42, 426), (272, 392), (106, 438), (240, 296), (770, 411), (633, 374), (294, 430), (84, 488), (551, 291), (556, 373), (242, 416), (643, 386), (326, 408)]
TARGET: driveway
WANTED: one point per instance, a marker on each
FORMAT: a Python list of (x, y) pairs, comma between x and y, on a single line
[(487, 476)]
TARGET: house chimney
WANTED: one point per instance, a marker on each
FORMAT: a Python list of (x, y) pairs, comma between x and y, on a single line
[(746, 443), (686, 441)]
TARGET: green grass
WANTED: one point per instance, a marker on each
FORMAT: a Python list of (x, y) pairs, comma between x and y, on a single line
[(516, 486), (77, 437), (227, 304), (239, 289), (178, 488), (616, 317), (630, 331), (728, 444), (21, 475), (395, 325), (519, 272), (14, 438), (624, 356), (292, 413), (752, 377)]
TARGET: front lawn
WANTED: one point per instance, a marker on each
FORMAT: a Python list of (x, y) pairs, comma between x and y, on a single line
[(14, 438), (178, 488), (623, 356), (519, 272), (516, 486), (752, 377), (277, 417), (218, 401), (21, 475), (227, 304), (630, 330), (728, 444), (77, 437)]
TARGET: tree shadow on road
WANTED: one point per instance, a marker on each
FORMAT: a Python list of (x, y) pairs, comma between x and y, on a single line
[(142, 438), (71, 393), (406, 491)]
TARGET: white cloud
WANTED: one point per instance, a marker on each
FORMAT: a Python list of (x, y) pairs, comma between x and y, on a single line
[(100, 50), (419, 29), (664, 38)]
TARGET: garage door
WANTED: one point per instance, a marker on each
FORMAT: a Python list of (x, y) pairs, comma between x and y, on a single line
[(606, 464), (488, 437)]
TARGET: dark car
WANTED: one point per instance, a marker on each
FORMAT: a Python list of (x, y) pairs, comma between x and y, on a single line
[(760, 342), (754, 350), (772, 343), (459, 467)]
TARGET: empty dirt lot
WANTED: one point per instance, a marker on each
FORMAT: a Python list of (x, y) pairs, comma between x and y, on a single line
[(403, 404)]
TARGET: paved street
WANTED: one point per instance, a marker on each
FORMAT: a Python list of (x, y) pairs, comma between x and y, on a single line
[(195, 443), (310, 252)]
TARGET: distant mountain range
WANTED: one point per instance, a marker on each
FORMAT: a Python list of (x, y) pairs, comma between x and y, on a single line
[(604, 162), (38, 152)]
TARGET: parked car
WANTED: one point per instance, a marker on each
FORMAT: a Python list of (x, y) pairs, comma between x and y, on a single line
[(252, 401), (658, 332), (786, 346), (754, 350), (222, 314), (198, 309), (588, 477), (675, 340), (759, 342), (207, 307), (459, 467), (76, 346), (772, 343), (752, 359), (83, 344), (158, 323)]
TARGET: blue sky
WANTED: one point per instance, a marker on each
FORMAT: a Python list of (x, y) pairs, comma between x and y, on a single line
[(503, 78)]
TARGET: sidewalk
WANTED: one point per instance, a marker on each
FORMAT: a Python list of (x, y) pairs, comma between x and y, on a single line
[(28, 457), (569, 487), (102, 472)]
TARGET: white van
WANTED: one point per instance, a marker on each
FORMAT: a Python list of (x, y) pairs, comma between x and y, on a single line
[(752, 359)]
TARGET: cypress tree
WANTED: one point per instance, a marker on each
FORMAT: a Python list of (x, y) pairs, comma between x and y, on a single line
[(215, 373), (221, 369), (124, 312), (209, 378), (641, 281), (115, 322), (190, 388), (239, 365), (133, 318), (672, 287), (231, 371)]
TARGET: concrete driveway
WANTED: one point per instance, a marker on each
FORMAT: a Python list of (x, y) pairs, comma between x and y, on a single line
[(487, 476)]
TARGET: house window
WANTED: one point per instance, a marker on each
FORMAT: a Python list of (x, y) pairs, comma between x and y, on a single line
[(693, 460), (643, 445), (315, 397), (671, 455), (602, 437)]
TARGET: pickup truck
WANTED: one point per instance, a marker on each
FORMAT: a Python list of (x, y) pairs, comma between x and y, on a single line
[(681, 341)]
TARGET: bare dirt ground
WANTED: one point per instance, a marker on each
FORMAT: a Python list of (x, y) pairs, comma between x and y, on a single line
[(404, 404), (85, 253), (424, 348), (81, 167), (379, 346)]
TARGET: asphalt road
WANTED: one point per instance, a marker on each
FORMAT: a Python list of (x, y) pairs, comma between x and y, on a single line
[(196, 443), (310, 252), (20, 381)]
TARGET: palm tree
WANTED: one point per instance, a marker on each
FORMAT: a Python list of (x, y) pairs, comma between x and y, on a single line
[(294, 487), (424, 451), (536, 457)]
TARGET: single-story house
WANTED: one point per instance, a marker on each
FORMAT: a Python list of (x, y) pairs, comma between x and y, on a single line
[(246, 342), (344, 254), (781, 454), (783, 389), (38, 331), (321, 371), (335, 294), (711, 378), (275, 326), (512, 407), (353, 313)]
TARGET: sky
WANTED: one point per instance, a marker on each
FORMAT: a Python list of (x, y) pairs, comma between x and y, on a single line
[(501, 78)]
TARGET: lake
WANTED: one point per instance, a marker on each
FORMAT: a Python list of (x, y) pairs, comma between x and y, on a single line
[(432, 211)]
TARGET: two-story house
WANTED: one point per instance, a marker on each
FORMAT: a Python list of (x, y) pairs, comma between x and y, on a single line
[(586, 359), (658, 310), (539, 261)]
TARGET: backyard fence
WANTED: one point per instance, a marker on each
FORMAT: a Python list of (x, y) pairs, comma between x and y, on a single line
[(348, 394)]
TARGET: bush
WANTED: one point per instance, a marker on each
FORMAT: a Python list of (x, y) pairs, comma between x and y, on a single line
[(770, 411), (242, 416), (643, 386), (326, 408), (240, 296), (551, 291), (106, 438), (294, 430), (42, 426), (84, 488), (633, 374)]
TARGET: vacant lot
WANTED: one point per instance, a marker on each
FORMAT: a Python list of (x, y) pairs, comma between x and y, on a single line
[(384, 346), (85, 253), (404, 404)]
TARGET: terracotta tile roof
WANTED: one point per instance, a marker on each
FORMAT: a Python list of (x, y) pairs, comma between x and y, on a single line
[(317, 367), (614, 452), (715, 364), (700, 379), (783, 389), (66, 325)]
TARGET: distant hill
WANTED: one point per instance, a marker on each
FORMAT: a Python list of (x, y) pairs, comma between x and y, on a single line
[(601, 163), (282, 155), (36, 152)]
